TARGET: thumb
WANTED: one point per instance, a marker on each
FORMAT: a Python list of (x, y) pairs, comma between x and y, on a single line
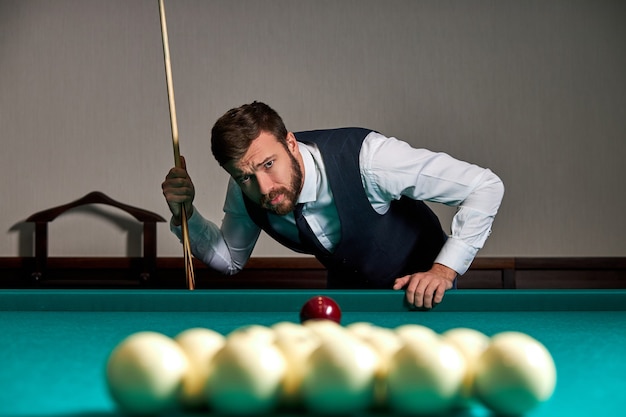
[(183, 164)]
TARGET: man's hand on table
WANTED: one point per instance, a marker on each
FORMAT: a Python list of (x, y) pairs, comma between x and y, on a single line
[(426, 289)]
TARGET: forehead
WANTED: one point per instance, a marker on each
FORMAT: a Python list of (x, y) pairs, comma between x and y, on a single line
[(262, 149)]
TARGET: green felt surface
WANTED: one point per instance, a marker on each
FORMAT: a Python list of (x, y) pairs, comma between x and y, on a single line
[(54, 345)]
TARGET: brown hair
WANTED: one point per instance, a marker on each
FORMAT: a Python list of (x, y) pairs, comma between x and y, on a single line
[(233, 133)]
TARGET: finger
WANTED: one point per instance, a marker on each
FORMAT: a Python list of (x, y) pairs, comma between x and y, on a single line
[(433, 293), (177, 198), (177, 173), (415, 291), (418, 296), (183, 163), (439, 293), (399, 283), (178, 186), (425, 292)]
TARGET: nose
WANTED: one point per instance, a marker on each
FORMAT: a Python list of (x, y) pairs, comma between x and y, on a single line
[(265, 183)]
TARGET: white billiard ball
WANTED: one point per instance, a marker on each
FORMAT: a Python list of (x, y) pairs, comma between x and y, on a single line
[(514, 374), (254, 333), (386, 343), (471, 343), (425, 377), (200, 345), (144, 373), (361, 329), (296, 342), (340, 376), (245, 377), (416, 333), (287, 328), (326, 329)]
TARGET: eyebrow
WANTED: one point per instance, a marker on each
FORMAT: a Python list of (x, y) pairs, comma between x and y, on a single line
[(241, 173), (266, 160)]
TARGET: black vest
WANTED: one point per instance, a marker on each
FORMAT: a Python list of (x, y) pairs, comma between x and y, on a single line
[(374, 249)]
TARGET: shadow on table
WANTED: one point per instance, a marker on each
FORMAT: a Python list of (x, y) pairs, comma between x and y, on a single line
[(470, 412)]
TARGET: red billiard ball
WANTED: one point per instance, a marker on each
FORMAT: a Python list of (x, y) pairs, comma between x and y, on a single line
[(320, 307)]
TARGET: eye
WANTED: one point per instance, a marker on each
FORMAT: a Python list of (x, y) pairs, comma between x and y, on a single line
[(244, 179), (268, 164)]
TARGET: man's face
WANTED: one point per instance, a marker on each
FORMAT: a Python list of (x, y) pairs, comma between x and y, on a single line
[(269, 174)]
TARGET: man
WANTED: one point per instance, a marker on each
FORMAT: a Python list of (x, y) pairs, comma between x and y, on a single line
[(352, 197)]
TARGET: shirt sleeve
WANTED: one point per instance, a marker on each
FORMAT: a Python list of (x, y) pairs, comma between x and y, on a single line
[(391, 168), (225, 249)]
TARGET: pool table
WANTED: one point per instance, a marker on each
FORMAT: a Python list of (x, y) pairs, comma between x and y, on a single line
[(55, 342)]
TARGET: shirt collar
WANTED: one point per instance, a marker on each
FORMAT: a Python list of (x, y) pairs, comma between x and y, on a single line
[(309, 188)]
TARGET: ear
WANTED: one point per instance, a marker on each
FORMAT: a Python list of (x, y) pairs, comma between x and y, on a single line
[(292, 143)]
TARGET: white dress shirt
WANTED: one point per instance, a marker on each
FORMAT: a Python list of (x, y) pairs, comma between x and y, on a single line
[(390, 168)]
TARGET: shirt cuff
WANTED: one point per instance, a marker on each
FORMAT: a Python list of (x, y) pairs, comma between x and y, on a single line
[(457, 255)]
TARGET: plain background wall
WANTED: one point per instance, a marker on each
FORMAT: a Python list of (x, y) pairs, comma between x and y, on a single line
[(533, 89)]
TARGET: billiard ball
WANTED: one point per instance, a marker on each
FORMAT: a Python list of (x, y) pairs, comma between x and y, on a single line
[(144, 373), (320, 307), (326, 329), (245, 376), (200, 345), (386, 343), (412, 332), (361, 328), (471, 343), (340, 376), (296, 342), (514, 374), (289, 329), (254, 333), (383, 340), (425, 377)]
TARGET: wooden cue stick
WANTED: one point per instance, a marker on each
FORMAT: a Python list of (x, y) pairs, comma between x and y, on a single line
[(191, 284)]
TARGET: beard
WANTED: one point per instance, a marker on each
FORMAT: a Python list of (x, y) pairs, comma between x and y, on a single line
[(290, 195)]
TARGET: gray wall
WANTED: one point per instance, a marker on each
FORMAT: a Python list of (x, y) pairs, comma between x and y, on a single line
[(534, 90)]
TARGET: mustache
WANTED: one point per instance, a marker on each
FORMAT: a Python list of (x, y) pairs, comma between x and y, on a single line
[(267, 198)]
